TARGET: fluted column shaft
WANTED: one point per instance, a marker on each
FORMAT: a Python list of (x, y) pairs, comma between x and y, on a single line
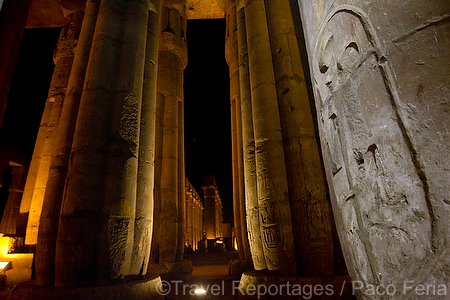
[(8, 223), (48, 224), (143, 230), (63, 57), (172, 60), (310, 208), (108, 123), (248, 147), (231, 55), (273, 192)]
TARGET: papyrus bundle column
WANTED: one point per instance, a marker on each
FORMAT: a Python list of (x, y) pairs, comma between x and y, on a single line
[(8, 225), (40, 166), (143, 230), (310, 208), (280, 147), (59, 160), (273, 193), (172, 60), (96, 239), (248, 145), (231, 55)]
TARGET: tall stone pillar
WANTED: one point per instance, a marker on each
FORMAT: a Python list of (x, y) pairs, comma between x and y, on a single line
[(63, 57), (48, 224), (159, 117), (172, 60), (32, 180), (143, 230), (13, 18), (8, 223), (189, 222), (248, 146), (119, 208), (272, 184), (231, 55), (310, 208), (101, 189), (209, 194), (181, 174), (380, 76)]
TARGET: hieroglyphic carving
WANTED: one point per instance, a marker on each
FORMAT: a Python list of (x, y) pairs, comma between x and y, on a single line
[(272, 237), (381, 191)]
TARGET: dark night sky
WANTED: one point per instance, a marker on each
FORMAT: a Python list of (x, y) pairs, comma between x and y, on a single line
[(207, 105), (207, 109)]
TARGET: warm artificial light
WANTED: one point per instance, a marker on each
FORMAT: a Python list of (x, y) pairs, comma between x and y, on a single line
[(5, 265), (200, 291)]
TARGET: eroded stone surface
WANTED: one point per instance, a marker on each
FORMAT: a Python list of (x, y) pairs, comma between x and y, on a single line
[(380, 138)]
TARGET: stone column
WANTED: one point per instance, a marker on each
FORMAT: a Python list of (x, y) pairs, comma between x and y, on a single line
[(197, 224), (154, 252), (248, 147), (209, 194), (63, 57), (172, 60), (232, 60), (78, 257), (194, 224), (119, 208), (181, 174), (145, 185), (36, 161), (13, 18), (310, 208), (189, 219), (273, 192), (8, 223), (48, 224)]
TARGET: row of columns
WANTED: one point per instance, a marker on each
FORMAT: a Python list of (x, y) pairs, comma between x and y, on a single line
[(38, 174), (112, 133), (90, 186), (288, 216), (194, 217), (213, 210)]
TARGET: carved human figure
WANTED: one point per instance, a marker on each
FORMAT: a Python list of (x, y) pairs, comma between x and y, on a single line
[(378, 184)]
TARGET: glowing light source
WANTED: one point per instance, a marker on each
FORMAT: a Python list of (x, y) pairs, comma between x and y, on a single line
[(200, 291), (5, 266)]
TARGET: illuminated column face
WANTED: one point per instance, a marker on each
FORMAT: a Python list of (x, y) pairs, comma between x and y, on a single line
[(1, 4), (100, 190), (210, 212), (64, 56), (172, 58), (310, 208)]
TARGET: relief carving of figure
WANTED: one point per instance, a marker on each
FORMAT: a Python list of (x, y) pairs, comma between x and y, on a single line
[(381, 195)]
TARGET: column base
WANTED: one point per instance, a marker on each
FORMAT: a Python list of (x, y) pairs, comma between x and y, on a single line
[(178, 270), (238, 266), (132, 290), (256, 285)]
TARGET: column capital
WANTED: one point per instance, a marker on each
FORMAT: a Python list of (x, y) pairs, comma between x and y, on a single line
[(173, 29)]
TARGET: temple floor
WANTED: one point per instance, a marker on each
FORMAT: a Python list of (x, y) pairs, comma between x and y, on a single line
[(211, 273)]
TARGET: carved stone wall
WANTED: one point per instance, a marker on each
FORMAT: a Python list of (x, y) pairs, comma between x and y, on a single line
[(380, 78)]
